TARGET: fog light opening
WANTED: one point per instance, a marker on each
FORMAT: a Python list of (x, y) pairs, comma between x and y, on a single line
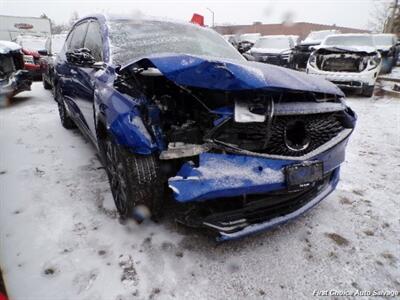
[(296, 136)]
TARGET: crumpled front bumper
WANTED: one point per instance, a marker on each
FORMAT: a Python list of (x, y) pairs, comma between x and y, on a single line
[(230, 175), (259, 227), (347, 79)]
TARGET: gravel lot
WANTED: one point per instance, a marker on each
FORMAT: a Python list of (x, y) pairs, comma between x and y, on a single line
[(60, 238)]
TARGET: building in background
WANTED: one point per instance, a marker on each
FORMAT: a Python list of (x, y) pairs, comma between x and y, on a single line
[(302, 29), (11, 27)]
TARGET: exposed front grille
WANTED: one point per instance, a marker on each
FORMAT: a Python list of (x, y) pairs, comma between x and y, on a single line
[(348, 83), (287, 135), (343, 64)]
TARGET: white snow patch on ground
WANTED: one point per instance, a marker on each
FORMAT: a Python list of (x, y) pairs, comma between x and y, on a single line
[(395, 73), (60, 238)]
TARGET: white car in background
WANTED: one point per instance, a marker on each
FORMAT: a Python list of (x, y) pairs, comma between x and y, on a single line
[(303, 49), (249, 37), (351, 61), (246, 41), (273, 49)]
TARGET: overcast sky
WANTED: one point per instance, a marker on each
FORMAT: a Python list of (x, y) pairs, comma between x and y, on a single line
[(351, 13)]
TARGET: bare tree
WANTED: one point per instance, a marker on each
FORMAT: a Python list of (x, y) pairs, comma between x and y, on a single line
[(392, 23), (74, 17), (379, 15)]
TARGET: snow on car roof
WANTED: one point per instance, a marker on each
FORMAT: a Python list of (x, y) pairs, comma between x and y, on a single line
[(6, 47), (275, 36)]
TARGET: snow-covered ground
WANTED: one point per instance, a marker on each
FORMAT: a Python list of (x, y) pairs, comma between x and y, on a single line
[(60, 238), (395, 73)]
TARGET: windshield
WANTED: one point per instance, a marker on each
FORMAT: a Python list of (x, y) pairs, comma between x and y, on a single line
[(130, 39), (386, 40), (319, 35), (273, 42), (32, 43), (351, 40), (57, 43)]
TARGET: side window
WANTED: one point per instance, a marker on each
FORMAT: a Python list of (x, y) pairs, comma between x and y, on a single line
[(78, 36), (93, 41)]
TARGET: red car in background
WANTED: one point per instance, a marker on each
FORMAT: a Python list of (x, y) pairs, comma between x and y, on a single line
[(32, 63), (32, 46)]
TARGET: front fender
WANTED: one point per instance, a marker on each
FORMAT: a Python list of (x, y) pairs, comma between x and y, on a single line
[(123, 120)]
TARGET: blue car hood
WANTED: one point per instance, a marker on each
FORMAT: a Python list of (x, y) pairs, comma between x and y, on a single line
[(235, 75)]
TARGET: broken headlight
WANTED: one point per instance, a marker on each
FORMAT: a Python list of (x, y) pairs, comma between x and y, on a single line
[(313, 60), (374, 62)]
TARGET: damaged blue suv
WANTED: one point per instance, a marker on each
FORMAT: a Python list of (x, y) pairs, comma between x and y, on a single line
[(177, 113)]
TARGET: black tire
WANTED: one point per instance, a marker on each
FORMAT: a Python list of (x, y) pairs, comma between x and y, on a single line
[(66, 120), (135, 181), (46, 85), (368, 91)]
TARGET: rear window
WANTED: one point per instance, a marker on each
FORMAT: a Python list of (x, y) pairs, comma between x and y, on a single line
[(352, 40), (32, 43), (386, 40), (273, 42)]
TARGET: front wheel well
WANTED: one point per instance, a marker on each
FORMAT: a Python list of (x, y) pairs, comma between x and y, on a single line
[(101, 130)]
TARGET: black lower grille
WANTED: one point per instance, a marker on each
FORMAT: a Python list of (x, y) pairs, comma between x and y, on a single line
[(233, 214), (287, 135)]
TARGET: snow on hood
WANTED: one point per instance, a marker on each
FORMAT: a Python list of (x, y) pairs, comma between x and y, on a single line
[(384, 47), (269, 50), (219, 74), (311, 42), (366, 49), (7, 47)]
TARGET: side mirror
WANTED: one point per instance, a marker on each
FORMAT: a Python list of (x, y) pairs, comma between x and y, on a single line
[(80, 57), (43, 52)]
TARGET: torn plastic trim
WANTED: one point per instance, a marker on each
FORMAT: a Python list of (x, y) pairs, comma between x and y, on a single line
[(256, 228), (229, 75), (231, 175), (306, 108), (286, 109), (185, 150), (336, 140)]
